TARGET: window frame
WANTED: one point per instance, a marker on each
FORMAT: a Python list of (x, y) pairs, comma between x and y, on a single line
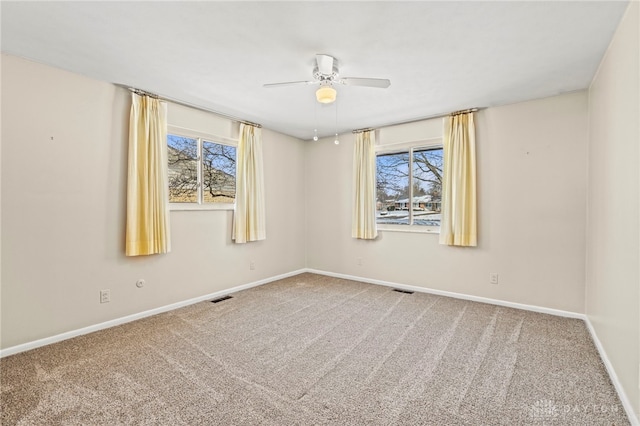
[(409, 147), (201, 137)]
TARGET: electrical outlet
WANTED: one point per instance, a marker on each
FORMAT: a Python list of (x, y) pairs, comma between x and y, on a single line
[(359, 261), (140, 283), (105, 296), (252, 265), (493, 277)]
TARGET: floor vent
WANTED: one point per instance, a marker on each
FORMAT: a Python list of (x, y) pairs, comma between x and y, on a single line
[(399, 290), (221, 299)]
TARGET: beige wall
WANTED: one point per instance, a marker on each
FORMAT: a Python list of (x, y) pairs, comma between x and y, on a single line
[(531, 191), (63, 207), (613, 239)]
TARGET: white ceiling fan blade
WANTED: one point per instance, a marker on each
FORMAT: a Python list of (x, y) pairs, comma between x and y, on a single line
[(291, 83), (325, 64), (382, 83)]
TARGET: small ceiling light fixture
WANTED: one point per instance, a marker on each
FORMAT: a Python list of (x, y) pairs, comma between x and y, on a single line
[(326, 94), (315, 135)]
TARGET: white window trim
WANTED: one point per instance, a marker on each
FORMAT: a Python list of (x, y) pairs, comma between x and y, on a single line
[(194, 134), (412, 229), (410, 147)]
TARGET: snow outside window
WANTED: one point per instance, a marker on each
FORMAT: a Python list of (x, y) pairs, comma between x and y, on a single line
[(409, 189)]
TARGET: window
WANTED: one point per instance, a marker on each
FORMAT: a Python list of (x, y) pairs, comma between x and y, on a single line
[(201, 172), (409, 188)]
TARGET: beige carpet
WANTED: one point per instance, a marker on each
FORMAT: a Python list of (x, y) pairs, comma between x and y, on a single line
[(313, 350)]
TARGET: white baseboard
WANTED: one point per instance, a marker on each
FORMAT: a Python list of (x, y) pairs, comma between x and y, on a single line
[(626, 403), (612, 374), (90, 329), (523, 306)]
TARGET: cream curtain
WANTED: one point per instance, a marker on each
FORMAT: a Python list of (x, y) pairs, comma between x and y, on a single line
[(148, 229), (364, 185), (458, 226), (249, 217)]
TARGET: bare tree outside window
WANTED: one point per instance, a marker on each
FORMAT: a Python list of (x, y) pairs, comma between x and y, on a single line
[(183, 169), (218, 172), (200, 171), (404, 198), (392, 183)]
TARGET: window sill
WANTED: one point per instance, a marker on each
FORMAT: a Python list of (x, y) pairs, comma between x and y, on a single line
[(409, 229), (197, 207)]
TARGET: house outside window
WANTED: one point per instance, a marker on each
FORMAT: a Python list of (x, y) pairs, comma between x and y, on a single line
[(409, 187), (201, 171)]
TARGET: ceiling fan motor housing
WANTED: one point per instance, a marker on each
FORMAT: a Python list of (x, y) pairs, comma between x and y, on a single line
[(326, 77)]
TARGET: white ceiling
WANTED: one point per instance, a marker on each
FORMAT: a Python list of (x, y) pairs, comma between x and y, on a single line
[(439, 56)]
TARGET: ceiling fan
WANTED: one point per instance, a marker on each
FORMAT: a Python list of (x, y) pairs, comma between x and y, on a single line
[(325, 74)]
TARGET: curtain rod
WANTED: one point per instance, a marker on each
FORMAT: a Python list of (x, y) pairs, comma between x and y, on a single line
[(175, 101), (462, 111)]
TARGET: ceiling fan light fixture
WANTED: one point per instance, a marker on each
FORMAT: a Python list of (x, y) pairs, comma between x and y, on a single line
[(326, 94)]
